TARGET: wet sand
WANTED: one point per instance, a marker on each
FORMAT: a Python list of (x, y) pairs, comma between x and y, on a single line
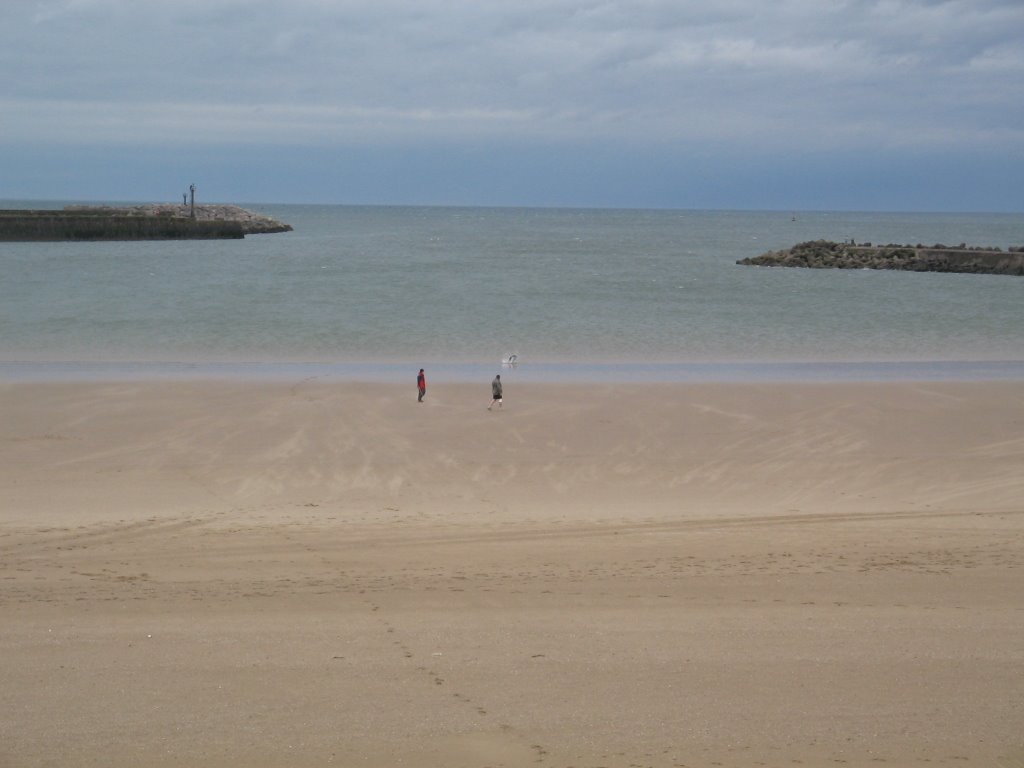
[(316, 573)]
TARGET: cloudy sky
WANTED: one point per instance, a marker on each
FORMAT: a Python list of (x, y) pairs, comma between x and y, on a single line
[(775, 104)]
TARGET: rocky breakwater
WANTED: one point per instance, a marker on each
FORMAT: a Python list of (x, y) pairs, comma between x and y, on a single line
[(825, 254), (137, 222)]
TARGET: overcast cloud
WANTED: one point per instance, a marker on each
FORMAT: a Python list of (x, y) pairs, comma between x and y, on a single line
[(736, 103)]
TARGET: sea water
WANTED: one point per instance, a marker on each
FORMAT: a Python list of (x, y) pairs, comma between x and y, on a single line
[(575, 294)]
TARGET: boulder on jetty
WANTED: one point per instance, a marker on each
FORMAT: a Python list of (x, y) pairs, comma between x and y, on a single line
[(137, 222), (825, 254)]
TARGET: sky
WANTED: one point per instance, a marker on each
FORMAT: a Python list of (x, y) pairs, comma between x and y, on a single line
[(904, 105)]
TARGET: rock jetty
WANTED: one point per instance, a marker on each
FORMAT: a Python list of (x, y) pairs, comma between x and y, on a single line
[(137, 222), (825, 254)]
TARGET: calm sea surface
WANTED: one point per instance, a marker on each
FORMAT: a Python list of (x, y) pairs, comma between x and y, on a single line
[(377, 291)]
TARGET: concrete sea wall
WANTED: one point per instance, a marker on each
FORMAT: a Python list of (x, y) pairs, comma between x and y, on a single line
[(39, 226), (149, 222)]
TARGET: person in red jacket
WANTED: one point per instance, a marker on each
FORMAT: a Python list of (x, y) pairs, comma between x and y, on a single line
[(421, 385)]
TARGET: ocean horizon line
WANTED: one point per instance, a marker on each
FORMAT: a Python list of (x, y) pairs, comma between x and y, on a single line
[(522, 207)]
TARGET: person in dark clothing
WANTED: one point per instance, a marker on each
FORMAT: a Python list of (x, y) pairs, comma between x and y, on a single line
[(421, 384), (495, 392)]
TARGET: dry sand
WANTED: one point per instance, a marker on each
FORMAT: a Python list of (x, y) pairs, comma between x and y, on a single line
[(312, 574)]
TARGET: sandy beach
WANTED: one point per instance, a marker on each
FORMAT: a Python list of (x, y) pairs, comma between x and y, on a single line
[(312, 573)]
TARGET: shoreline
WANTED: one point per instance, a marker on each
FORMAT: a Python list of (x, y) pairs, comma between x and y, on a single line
[(625, 372)]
